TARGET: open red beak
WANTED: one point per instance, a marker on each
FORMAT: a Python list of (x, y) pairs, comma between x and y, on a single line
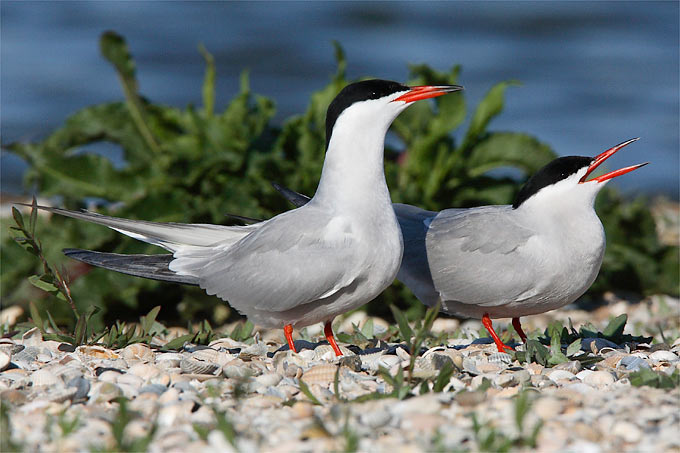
[(597, 161), (426, 92)]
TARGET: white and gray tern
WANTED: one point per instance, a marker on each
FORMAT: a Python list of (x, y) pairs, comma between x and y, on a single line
[(307, 265)]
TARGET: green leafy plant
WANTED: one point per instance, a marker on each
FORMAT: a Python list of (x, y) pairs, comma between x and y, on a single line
[(197, 164), (650, 378)]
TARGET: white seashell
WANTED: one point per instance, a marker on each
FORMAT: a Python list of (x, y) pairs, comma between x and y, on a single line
[(376, 419), (211, 355), (32, 338), (192, 366), (500, 357), (226, 343), (97, 352), (633, 363), (402, 354), (103, 392), (599, 379), (470, 366), (144, 370), (137, 352), (4, 360), (61, 394), (45, 376), (168, 360), (558, 375), (320, 374), (237, 372), (388, 361), (325, 352), (259, 349), (663, 356), (268, 379)]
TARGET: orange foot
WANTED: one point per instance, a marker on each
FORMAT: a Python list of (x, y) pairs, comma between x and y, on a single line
[(328, 331), (288, 332), (489, 327)]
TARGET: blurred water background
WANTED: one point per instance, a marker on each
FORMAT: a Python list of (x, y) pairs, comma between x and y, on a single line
[(593, 74)]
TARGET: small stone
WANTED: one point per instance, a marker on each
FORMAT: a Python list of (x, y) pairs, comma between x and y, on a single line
[(522, 376), (558, 375), (376, 419), (627, 431), (15, 397), (548, 407), (352, 362), (301, 410), (82, 386), (663, 356), (599, 379), (573, 366), (504, 380), (4, 360), (103, 392), (466, 398), (633, 363)]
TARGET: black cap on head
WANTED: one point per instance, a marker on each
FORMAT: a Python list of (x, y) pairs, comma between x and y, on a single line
[(359, 91), (557, 170)]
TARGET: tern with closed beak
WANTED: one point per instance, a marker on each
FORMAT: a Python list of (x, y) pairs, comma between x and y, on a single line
[(306, 265), (538, 254)]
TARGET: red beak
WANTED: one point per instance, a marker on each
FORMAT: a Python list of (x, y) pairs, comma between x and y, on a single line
[(426, 92), (597, 161)]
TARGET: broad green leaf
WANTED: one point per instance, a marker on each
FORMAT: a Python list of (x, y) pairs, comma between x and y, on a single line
[(404, 328), (574, 347), (37, 319), (18, 218), (40, 283), (114, 48), (508, 149), (208, 82), (614, 329), (487, 109), (149, 319), (444, 377)]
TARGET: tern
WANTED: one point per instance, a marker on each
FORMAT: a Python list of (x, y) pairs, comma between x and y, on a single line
[(304, 266), (508, 261)]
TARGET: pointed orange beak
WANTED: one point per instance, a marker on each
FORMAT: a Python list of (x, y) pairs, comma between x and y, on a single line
[(597, 161), (427, 91)]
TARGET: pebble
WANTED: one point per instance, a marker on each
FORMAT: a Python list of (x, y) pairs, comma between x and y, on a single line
[(599, 379), (257, 388), (559, 375)]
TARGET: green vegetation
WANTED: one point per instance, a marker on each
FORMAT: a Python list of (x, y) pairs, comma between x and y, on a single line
[(197, 165)]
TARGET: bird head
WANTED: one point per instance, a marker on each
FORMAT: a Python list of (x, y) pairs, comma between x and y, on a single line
[(566, 178), (375, 103)]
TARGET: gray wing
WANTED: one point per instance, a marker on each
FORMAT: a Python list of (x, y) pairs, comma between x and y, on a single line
[(476, 256), (295, 258), (415, 271), (170, 236)]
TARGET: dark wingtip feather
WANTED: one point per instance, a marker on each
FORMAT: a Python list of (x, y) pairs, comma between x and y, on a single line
[(155, 267), (296, 198)]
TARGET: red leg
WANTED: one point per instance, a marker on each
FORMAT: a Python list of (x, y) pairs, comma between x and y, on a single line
[(288, 332), (518, 329), (489, 327), (328, 331)]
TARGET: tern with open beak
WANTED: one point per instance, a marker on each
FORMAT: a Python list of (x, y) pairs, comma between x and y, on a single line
[(536, 255), (303, 266)]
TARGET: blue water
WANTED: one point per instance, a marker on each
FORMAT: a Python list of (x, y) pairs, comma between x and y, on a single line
[(593, 74)]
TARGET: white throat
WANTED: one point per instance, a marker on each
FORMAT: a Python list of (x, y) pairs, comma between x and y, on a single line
[(353, 171)]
